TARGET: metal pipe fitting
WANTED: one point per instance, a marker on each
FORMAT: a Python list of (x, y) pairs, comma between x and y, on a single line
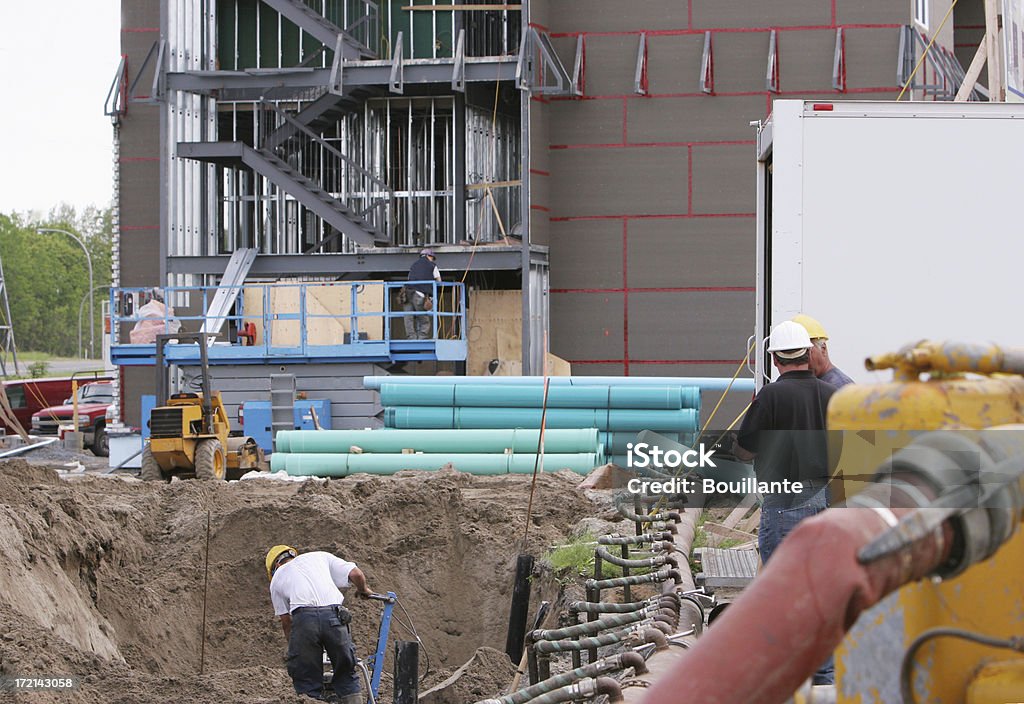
[(655, 561), (614, 663), (634, 539), (651, 577), (584, 689)]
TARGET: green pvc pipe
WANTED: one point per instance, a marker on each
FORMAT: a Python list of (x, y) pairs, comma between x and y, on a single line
[(340, 465), (569, 440), (532, 396), (615, 442), (682, 420), (580, 463)]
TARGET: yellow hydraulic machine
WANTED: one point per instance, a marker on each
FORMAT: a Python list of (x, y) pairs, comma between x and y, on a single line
[(190, 435)]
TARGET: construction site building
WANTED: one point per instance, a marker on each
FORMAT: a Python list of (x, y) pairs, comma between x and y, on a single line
[(592, 157)]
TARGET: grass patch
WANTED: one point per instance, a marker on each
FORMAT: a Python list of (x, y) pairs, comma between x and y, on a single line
[(576, 559)]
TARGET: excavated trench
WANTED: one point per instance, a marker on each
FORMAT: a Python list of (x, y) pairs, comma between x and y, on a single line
[(103, 578)]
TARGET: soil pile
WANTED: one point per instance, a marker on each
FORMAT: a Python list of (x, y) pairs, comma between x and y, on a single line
[(104, 577)]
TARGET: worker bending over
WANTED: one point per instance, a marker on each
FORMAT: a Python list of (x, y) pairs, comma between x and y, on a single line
[(305, 591)]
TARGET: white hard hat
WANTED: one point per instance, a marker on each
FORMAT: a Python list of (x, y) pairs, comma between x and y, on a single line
[(789, 340)]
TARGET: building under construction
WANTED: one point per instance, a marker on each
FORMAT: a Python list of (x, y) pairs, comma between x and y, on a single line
[(584, 173)]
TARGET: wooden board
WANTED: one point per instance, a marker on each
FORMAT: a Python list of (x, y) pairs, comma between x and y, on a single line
[(328, 310), (495, 332)]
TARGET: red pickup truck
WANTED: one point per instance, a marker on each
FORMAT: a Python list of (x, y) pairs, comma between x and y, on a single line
[(93, 400)]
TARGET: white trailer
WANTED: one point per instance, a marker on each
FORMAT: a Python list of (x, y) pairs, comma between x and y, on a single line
[(890, 223)]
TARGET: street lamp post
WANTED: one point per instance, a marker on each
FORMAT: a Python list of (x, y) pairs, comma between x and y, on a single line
[(88, 260)]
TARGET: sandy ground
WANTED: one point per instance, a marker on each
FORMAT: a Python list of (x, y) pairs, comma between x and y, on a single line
[(103, 576)]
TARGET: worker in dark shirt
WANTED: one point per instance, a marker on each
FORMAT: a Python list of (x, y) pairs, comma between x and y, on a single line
[(419, 295), (821, 364), (784, 433)]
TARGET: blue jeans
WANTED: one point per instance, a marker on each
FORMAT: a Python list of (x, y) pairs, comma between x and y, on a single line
[(314, 630), (778, 519)]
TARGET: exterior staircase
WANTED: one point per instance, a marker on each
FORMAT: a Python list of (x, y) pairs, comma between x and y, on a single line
[(356, 38)]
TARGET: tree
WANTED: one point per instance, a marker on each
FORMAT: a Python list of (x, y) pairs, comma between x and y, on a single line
[(47, 277)]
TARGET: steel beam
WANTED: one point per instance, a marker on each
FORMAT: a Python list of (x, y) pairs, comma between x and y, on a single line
[(251, 84), (382, 260)]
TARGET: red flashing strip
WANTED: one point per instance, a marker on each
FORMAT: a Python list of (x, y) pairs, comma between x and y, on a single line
[(655, 289), (130, 159), (657, 145), (625, 121), (133, 30), (129, 228), (730, 30), (689, 179), (625, 297), (740, 94), (655, 361), (539, 26), (539, 207), (666, 216), (538, 172)]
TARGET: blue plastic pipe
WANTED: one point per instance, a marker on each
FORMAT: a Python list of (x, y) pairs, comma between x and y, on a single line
[(529, 395), (704, 383), (567, 441), (616, 419), (340, 465)]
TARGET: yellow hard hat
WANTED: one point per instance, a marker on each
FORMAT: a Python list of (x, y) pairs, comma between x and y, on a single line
[(814, 329), (274, 553)]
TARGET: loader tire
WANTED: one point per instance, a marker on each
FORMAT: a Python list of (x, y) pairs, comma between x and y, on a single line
[(210, 460), (150, 471)]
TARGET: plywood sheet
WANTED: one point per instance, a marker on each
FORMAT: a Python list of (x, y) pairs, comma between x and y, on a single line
[(328, 308)]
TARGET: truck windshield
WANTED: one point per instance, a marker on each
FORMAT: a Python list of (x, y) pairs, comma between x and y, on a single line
[(96, 393)]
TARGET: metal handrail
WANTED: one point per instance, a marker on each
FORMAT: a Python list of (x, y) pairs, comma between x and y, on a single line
[(302, 315), (116, 103)]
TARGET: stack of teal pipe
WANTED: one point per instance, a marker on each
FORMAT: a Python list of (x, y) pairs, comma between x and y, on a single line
[(337, 453), (619, 411)]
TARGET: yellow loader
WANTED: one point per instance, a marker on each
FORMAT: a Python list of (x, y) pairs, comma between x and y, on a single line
[(189, 436)]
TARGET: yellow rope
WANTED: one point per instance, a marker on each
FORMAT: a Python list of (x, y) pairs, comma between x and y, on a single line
[(926, 50)]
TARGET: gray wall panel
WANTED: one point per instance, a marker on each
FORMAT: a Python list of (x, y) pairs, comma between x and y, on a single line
[(612, 16), (741, 60), (586, 254), (673, 63), (140, 14), (611, 64), (589, 325), (585, 121), (690, 326), (805, 60), (696, 119), (691, 252), (723, 179), (598, 370), (139, 136), (618, 181), (875, 12), (766, 13), (871, 57)]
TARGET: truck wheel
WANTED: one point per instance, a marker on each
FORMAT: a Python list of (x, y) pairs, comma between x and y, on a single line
[(151, 471), (210, 460), (100, 441)]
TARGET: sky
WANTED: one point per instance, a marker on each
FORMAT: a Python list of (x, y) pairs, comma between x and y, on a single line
[(57, 60)]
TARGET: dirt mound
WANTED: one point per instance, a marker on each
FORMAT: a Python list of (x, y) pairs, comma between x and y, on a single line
[(488, 672), (108, 575)]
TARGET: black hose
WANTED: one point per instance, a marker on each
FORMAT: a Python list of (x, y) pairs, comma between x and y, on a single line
[(656, 561), (659, 576), (590, 627), (614, 663), (906, 669)]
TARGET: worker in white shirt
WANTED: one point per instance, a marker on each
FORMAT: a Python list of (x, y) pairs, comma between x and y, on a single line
[(305, 591)]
